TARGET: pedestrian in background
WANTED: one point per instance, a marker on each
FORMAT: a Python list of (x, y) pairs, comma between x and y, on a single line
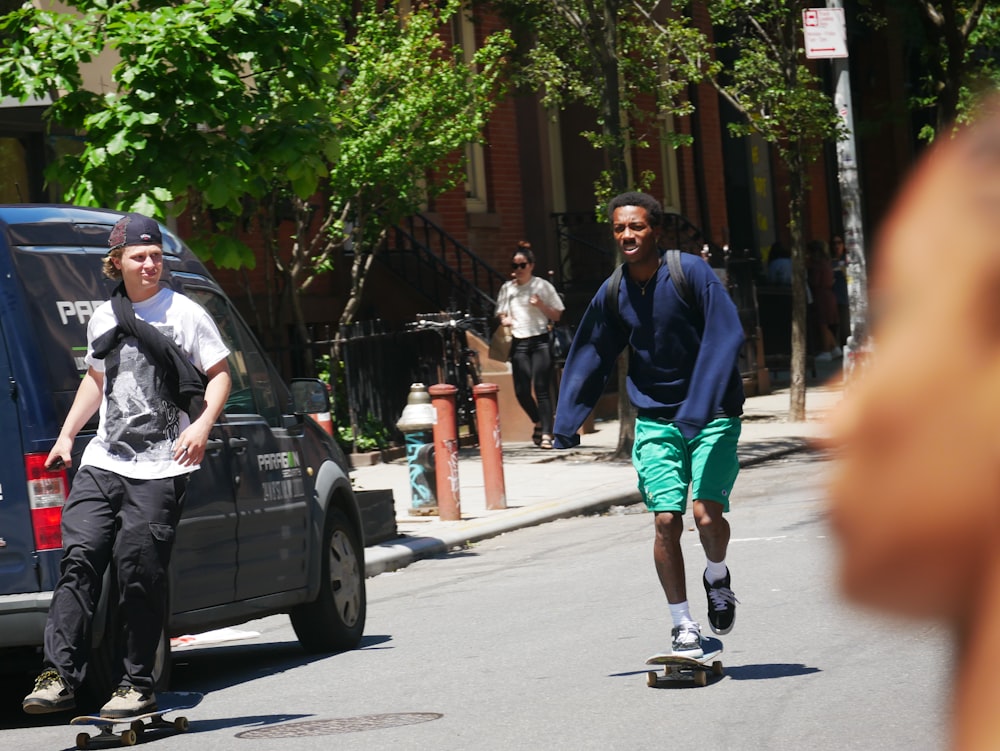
[(826, 317), (838, 257), (685, 384), (915, 494), (529, 305), (145, 350)]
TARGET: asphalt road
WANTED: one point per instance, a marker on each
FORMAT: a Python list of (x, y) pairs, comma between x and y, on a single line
[(537, 639)]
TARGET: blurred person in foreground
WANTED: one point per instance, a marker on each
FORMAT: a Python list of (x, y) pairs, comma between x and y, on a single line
[(915, 495)]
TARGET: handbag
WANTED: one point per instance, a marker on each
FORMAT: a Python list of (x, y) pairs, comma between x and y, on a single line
[(500, 344)]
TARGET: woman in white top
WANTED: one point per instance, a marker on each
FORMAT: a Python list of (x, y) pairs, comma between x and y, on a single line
[(527, 303)]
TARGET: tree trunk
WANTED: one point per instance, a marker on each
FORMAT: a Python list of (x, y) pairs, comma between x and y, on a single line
[(364, 255)]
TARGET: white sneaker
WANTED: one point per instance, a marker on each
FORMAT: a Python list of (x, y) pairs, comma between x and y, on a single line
[(686, 640), (51, 694), (128, 702)]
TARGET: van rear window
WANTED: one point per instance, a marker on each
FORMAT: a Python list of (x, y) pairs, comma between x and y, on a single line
[(62, 288)]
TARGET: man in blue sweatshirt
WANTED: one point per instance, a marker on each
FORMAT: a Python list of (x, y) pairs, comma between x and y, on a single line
[(685, 384)]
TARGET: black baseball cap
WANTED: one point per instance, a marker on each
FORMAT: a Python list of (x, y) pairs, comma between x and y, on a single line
[(135, 229)]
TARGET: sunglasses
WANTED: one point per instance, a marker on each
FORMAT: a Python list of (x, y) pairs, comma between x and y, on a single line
[(519, 265)]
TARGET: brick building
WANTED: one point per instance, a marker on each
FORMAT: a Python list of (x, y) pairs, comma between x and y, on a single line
[(534, 177)]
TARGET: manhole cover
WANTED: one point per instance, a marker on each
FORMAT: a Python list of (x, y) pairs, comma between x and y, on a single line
[(341, 725)]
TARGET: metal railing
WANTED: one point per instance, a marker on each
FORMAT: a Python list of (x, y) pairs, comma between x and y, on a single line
[(449, 275)]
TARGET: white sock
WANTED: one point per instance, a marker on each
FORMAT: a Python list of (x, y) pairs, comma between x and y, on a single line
[(715, 571), (680, 613)]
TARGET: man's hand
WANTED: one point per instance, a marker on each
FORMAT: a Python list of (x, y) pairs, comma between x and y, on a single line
[(189, 449), (59, 457)]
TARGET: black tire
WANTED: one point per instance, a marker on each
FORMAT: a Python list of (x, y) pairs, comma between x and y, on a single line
[(335, 620)]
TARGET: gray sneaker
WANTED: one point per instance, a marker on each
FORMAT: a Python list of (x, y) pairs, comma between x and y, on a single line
[(686, 641), (51, 694), (128, 701)]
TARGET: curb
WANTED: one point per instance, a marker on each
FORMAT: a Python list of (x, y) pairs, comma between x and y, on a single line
[(400, 552)]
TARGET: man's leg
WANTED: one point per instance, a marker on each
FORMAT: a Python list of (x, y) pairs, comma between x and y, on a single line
[(713, 529), (150, 513), (661, 460), (88, 532), (668, 556), (714, 468)]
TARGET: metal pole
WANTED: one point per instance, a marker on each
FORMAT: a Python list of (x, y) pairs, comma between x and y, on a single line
[(490, 445), (449, 501), (850, 199)]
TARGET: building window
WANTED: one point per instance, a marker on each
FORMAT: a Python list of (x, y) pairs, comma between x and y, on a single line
[(464, 34)]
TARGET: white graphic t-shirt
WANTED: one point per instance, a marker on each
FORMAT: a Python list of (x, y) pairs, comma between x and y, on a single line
[(138, 428)]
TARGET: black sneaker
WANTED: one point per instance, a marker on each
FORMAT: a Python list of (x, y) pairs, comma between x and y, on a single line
[(51, 694), (721, 605)]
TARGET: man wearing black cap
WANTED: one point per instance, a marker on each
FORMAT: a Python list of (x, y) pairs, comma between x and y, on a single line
[(143, 346)]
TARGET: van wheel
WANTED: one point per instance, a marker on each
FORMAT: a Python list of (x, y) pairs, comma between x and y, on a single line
[(335, 620)]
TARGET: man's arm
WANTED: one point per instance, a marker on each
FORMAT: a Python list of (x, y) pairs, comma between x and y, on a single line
[(86, 402), (589, 364), (190, 446)]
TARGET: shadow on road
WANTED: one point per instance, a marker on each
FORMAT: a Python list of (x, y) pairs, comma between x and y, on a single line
[(766, 672), (207, 669)]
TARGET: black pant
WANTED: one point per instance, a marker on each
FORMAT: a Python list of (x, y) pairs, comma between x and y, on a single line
[(108, 518), (531, 363)]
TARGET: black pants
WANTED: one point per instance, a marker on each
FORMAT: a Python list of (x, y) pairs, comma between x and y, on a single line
[(531, 363), (109, 518)]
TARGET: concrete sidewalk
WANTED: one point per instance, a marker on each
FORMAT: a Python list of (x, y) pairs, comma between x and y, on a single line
[(545, 485)]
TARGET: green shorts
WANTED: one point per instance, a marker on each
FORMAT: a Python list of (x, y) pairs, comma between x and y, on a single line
[(667, 464)]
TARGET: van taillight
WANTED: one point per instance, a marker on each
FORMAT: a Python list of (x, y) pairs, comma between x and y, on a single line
[(47, 490)]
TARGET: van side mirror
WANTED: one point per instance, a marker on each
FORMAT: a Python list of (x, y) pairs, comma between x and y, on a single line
[(309, 396)]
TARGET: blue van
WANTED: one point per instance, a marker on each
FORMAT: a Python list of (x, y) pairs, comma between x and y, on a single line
[(270, 522)]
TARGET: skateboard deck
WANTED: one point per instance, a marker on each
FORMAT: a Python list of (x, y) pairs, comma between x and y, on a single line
[(138, 724), (687, 669)]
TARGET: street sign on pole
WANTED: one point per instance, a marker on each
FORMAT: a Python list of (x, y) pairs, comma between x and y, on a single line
[(825, 32)]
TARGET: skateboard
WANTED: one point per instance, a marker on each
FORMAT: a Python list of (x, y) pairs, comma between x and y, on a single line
[(138, 724), (687, 669)]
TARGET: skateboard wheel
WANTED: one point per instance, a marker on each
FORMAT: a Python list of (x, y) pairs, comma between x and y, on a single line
[(138, 726), (128, 737), (181, 724), (651, 679), (701, 678), (82, 740), (717, 668)]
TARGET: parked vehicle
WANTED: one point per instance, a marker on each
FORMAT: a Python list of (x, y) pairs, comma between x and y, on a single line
[(270, 522)]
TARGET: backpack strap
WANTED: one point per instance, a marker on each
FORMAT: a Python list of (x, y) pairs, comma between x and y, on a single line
[(611, 298), (677, 276)]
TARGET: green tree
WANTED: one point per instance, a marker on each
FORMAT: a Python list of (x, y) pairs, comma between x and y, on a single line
[(958, 45), (606, 55), (243, 114), (764, 75)]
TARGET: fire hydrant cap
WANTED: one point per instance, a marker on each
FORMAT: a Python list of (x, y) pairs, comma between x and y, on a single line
[(419, 413)]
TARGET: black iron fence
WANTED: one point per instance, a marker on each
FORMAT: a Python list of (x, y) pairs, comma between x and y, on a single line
[(370, 384)]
